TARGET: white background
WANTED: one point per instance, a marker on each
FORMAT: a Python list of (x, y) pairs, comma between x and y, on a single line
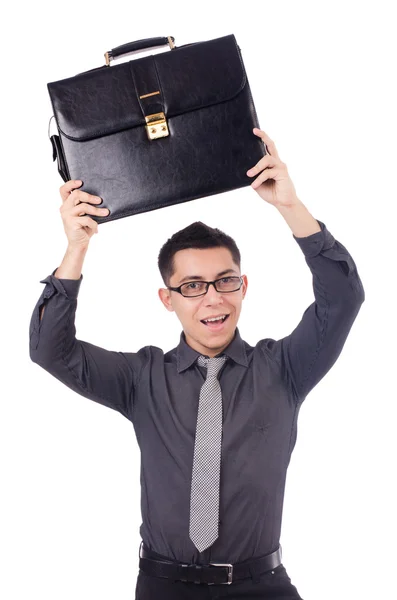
[(322, 77)]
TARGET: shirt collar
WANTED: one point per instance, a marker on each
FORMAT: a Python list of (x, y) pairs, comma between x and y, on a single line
[(186, 355)]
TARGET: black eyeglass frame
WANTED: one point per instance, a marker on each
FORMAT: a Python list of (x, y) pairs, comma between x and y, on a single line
[(178, 289)]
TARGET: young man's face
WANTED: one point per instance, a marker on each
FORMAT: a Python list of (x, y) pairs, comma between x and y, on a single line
[(207, 263)]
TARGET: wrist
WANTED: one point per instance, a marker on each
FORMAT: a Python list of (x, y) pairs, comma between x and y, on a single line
[(299, 219), (72, 262), (76, 250), (293, 202)]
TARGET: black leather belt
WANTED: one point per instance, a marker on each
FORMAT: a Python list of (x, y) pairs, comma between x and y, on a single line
[(212, 573)]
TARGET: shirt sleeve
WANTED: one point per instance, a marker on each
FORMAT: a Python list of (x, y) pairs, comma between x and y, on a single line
[(105, 376), (312, 348)]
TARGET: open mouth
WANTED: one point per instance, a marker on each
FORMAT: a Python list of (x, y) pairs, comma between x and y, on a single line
[(215, 325)]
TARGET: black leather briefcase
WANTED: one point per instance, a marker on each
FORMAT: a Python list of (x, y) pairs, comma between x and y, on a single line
[(159, 130)]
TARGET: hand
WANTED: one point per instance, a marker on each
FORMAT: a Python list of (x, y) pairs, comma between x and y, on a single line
[(75, 203), (273, 183)]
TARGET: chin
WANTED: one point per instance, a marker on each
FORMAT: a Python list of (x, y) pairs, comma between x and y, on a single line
[(213, 340)]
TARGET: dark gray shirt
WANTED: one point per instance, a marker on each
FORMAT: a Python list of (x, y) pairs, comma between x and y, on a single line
[(263, 387)]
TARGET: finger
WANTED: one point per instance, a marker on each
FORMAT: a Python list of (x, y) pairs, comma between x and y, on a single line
[(78, 196), (67, 188), (267, 174), (271, 146), (264, 163), (87, 208)]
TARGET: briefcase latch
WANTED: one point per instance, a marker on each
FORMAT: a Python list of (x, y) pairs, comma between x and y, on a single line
[(156, 126)]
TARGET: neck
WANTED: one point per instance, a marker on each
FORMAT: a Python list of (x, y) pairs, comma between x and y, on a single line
[(211, 352)]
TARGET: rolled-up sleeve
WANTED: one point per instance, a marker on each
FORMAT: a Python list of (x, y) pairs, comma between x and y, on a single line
[(313, 347), (105, 376)]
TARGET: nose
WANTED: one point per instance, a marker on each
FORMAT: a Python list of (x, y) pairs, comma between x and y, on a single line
[(212, 293)]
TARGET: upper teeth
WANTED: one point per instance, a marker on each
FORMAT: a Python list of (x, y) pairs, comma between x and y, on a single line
[(215, 318)]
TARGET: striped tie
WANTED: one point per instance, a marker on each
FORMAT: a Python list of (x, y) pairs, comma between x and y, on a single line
[(204, 499)]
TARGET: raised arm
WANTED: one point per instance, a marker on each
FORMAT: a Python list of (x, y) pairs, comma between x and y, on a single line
[(105, 376), (312, 348)]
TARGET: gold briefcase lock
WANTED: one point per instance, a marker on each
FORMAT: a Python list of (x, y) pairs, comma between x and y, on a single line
[(156, 126)]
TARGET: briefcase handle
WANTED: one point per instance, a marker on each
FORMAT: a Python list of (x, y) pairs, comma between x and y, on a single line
[(137, 46)]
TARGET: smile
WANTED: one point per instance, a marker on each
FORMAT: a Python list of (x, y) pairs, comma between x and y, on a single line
[(215, 325)]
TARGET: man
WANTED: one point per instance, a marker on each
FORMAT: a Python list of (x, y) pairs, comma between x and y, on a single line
[(215, 418)]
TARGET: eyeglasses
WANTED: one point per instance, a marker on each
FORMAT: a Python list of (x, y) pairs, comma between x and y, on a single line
[(191, 289)]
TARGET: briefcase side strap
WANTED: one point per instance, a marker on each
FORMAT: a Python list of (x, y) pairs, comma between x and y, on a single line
[(138, 46), (57, 153)]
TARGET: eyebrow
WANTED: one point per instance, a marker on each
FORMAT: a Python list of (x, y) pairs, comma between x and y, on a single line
[(200, 277)]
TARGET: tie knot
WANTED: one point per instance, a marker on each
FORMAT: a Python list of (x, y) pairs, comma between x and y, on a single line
[(213, 365)]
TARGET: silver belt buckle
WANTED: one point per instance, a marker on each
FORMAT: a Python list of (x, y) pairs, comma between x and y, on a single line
[(229, 573)]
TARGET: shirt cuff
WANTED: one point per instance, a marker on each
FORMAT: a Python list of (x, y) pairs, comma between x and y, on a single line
[(312, 245), (68, 287), (323, 242)]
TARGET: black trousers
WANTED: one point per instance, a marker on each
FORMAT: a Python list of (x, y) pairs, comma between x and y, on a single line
[(270, 585)]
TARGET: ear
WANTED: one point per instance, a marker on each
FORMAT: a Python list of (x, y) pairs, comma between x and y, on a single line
[(165, 297), (245, 285)]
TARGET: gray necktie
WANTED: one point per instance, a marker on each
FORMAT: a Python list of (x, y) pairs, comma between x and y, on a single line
[(204, 499)]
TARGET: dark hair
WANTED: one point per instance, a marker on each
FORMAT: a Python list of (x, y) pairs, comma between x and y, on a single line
[(196, 235)]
